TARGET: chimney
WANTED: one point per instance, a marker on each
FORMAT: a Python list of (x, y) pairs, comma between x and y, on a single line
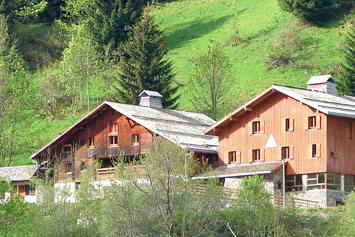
[(324, 83), (151, 99)]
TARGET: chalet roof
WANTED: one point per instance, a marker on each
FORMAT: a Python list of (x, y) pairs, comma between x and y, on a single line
[(320, 79), (233, 170), (150, 93), (337, 105), (181, 127), (18, 173)]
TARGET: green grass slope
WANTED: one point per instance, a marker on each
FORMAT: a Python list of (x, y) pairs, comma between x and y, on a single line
[(189, 27)]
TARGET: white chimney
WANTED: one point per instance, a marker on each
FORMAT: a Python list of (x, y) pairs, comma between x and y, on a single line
[(324, 83), (151, 99)]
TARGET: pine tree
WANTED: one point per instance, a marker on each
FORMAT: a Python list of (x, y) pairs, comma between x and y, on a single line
[(346, 83), (143, 66)]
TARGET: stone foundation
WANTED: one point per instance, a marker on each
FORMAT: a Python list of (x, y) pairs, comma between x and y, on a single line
[(325, 198)]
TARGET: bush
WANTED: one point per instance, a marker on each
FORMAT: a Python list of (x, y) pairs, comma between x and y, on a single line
[(314, 10)]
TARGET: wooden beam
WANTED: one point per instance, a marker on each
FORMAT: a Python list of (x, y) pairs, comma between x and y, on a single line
[(216, 129), (233, 118), (246, 108)]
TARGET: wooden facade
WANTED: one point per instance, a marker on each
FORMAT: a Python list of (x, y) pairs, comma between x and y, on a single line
[(104, 137), (329, 138)]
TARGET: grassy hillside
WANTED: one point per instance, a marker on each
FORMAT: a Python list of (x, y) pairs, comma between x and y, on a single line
[(190, 26), (247, 28)]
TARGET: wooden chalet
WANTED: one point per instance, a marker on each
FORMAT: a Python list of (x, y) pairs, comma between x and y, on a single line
[(19, 178), (310, 130), (114, 129)]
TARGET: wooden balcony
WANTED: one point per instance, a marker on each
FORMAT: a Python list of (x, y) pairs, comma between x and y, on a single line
[(114, 151)]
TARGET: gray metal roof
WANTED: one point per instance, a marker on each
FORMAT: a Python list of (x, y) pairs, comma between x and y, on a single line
[(337, 105), (150, 93), (241, 170), (320, 79), (18, 173), (184, 128), (181, 127)]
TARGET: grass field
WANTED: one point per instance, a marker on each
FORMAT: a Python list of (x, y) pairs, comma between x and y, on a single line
[(189, 27)]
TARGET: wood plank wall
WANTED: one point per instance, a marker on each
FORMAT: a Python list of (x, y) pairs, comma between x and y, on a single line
[(341, 149), (235, 136), (99, 128)]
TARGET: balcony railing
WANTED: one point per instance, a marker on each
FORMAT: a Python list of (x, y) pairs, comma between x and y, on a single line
[(114, 151)]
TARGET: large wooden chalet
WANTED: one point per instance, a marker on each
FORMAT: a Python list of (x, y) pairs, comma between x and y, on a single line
[(310, 130), (114, 129)]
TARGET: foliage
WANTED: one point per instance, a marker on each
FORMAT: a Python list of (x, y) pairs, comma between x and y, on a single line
[(211, 81), (144, 66), (108, 21), (348, 222), (346, 82), (314, 10), (286, 48)]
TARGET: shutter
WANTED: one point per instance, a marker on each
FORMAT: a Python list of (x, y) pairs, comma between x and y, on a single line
[(279, 153), (318, 122), (262, 154), (250, 128), (318, 150), (250, 156), (310, 151), (238, 161), (292, 121), (262, 126), (305, 123), (283, 125), (226, 157), (291, 152)]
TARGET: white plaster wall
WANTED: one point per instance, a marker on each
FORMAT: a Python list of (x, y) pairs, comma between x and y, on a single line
[(64, 192), (30, 199)]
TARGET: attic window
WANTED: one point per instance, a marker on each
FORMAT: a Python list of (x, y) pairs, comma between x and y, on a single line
[(256, 127), (135, 139), (113, 128), (66, 149), (312, 122)]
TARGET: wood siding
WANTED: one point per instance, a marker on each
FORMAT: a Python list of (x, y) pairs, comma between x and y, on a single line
[(340, 150), (271, 112), (99, 128)]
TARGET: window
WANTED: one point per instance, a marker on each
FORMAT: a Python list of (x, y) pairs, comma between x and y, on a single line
[(293, 183), (349, 183), (312, 122), (68, 167), (256, 127), (287, 125), (333, 182), (91, 142), (66, 149), (29, 190), (285, 152), (113, 128), (256, 154), (113, 140), (135, 139), (315, 181), (232, 157), (314, 150), (349, 130)]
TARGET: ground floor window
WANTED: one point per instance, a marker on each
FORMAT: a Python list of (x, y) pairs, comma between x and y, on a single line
[(293, 183), (349, 183), (334, 182), (315, 181)]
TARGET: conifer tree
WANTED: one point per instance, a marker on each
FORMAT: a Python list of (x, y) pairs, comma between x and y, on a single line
[(346, 83), (143, 66)]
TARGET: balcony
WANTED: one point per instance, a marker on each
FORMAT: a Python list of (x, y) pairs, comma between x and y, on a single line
[(114, 151)]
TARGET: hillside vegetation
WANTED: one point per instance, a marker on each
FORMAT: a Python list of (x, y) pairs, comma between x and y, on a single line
[(253, 33)]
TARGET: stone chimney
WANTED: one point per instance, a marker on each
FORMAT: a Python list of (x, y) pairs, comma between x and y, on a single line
[(324, 83), (151, 99)]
